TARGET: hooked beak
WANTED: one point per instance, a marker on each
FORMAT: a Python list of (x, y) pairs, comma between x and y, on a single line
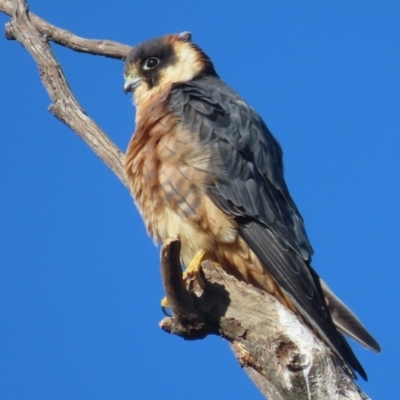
[(131, 83)]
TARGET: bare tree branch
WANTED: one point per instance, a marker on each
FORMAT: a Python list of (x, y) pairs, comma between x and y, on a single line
[(282, 356), (65, 38), (65, 107)]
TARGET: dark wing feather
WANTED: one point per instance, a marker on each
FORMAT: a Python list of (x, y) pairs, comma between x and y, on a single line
[(251, 187), (347, 322)]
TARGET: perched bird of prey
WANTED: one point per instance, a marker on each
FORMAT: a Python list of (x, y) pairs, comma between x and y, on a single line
[(203, 166)]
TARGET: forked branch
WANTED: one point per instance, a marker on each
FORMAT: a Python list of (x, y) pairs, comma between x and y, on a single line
[(65, 106), (282, 356)]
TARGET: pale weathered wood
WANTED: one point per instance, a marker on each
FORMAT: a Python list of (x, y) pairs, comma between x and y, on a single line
[(281, 355), (65, 107), (65, 38)]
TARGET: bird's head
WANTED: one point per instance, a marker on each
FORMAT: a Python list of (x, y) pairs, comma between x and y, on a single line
[(164, 61)]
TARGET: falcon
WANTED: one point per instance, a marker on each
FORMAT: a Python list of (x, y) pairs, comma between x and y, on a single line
[(203, 166)]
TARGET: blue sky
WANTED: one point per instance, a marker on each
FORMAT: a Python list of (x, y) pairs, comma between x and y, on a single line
[(79, 278)]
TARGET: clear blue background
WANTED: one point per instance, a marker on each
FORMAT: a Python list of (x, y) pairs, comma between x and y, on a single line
[(79, 278)]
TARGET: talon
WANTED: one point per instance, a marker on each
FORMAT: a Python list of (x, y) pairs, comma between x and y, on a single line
[(166, 312), (192, 272)]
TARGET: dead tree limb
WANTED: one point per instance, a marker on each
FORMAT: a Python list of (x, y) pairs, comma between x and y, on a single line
[(65, 107), (281, 355), (65, 38)]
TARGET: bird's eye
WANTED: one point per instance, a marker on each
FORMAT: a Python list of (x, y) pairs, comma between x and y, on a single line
[(151, 62)]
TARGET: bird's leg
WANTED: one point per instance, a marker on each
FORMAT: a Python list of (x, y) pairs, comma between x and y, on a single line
[(192, 272)]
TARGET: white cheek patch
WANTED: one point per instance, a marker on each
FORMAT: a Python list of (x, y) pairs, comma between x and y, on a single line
[(186, 68)]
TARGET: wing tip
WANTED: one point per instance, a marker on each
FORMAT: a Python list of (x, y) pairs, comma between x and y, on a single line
[(347, 322)]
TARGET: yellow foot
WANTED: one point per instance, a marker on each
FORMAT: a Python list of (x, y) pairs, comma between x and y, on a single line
[(165, 306), (191, 273)]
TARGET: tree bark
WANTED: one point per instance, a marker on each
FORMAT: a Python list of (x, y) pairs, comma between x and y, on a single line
[(281, 355), (34, 34)]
